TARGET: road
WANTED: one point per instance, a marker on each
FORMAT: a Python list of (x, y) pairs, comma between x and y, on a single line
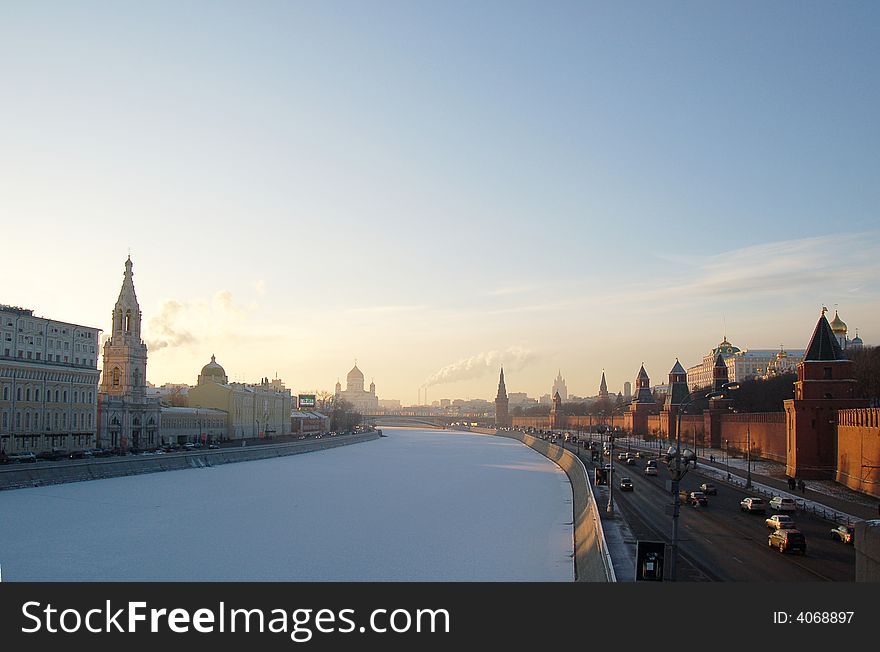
[(719, 542)]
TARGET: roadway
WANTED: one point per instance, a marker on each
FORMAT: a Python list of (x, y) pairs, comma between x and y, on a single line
[(719, 542)]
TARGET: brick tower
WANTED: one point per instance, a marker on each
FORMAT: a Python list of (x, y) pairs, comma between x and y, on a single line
[(502, 419), (678, 391), (643, 404), (825, 384), (556, 416), (717, 406)]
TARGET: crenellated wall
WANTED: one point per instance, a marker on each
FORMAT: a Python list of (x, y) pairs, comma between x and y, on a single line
[(858, 449)]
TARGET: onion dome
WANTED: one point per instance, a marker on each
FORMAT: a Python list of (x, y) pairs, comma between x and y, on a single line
[(837, 325)]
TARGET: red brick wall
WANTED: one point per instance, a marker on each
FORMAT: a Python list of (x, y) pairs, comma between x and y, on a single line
[(858, 449), (768, 433)]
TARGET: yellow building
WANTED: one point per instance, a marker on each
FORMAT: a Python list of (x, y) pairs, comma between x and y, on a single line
[(252, 410)]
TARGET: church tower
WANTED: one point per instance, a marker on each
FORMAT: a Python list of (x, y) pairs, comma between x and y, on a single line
[(125, 354), (678, 391), (502, 420), (126, 419), (719, 374)]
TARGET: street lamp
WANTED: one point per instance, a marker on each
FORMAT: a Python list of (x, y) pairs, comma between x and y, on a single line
[(748, 457), (677, 474), (727, 450)]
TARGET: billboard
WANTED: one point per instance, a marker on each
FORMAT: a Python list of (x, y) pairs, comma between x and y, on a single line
[(305, 401)]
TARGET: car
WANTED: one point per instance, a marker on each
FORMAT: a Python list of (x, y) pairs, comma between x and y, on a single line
[(709, 489), (781, 504), (626, 484), (788, 541), (638, 454), (780, 522), (607, 466), (621, 457), (213, 446), (698, 498), (22, 458), (631, 461), (650, 470), (843, 533), (753, 505), (651, 463)]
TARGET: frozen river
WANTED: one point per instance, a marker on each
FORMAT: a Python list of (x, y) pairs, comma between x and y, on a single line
[(420, 505)]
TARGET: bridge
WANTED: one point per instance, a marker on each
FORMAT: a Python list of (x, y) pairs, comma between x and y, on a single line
[(423, 420)]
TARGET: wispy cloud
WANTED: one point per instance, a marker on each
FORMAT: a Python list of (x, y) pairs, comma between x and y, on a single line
[(383, 310), (177, 321), (514, 358), (511, 290)]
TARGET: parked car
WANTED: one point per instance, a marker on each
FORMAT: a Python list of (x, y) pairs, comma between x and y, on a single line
[(213, 446), (22, 458), (780, 522), (650, 470), (788, 541), (753, 505), (626, 484), (843, 533), (709, 489), (781, 504), (698, 498)]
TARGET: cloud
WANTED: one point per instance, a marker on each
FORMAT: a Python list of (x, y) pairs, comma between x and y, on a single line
[(178, 322), (515, 358), (164, 329)]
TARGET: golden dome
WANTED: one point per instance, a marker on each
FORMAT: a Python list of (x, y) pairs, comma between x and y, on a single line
[(837, 325)]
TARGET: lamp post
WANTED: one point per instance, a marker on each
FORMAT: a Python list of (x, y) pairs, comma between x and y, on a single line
[(678, 474), (749, 457), (727, 451)]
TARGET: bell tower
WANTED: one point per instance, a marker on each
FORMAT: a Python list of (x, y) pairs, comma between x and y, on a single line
[(502, 420), (125, 354)]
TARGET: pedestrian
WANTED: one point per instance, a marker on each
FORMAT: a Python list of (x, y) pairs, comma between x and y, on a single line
[(802, 486)]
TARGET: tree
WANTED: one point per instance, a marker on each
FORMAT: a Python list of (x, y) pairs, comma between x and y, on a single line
[(866, 370), (343, 415), (324, 400)]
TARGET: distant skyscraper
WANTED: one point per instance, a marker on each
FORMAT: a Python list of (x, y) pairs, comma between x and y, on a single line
[(559, 387), (502, 420), (627, 391)]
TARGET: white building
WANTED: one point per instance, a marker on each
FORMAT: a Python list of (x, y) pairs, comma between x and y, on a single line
[(48, 383), (363, 401)]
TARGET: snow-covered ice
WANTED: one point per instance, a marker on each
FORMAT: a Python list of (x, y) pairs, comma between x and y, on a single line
[(416, 505)]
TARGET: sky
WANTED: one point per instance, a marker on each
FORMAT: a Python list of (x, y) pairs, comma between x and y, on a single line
[(436, 188)]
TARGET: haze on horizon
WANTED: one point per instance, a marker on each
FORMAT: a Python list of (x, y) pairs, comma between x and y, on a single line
[(434, 190)]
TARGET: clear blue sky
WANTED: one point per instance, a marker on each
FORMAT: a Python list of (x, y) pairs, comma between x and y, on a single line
[(432, 187)]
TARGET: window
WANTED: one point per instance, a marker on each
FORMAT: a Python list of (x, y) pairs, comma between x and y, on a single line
[(38, 355), (56, 396), (115, 376), (5, 393), (27, 394), (5, 421), (18, 393), (128, 321), (17, 420), (37, 394), (64, 396), (64, 420), (30, 355), (76, 397)]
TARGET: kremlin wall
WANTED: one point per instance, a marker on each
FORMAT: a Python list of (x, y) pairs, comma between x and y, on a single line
[(824, 432)]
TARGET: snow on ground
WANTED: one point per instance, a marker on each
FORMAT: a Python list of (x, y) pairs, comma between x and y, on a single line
[(420, 505)]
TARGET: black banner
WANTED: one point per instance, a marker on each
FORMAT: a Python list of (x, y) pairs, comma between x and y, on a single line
[(284, 616)]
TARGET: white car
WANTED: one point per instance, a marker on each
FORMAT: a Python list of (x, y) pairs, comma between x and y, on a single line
[(781, 504), (752, 504), (780, 522), (650, 470)]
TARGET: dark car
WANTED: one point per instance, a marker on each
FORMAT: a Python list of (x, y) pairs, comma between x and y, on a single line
[(709, 489), (843, 533), (213, 446), (698, 498), (626, 484), (788, 541)]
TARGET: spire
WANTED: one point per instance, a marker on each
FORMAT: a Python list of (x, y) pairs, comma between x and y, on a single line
[(642, 372), (502, 389), (823, 345)]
